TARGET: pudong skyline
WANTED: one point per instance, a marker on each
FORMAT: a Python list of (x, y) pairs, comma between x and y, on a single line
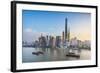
[(33, 23), (55, 36)]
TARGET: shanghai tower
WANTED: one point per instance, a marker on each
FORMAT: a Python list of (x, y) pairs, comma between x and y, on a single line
[(66, 29)]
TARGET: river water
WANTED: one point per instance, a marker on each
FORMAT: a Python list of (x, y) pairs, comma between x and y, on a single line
[(51, 55)]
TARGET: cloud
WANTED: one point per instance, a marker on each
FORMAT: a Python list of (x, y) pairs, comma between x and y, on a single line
[(30, 35), (28, 30)]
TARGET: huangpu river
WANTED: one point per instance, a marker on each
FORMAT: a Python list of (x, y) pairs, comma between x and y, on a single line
[(51, 55)]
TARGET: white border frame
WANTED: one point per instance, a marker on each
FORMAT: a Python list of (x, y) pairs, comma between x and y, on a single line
[(38, 65)]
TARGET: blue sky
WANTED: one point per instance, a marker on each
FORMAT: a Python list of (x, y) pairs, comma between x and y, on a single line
[(53, 23)]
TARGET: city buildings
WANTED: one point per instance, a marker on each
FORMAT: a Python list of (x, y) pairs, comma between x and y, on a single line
[(59, 41)]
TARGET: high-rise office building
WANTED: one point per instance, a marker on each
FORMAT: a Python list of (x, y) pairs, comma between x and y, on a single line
[(68, 34), (42, 42), (51, 42), (47, 41), (65, 28), (67, 31), (58, 41), (63, 36)]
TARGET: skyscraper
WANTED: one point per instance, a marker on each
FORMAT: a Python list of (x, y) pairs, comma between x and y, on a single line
[(42, 42), (63, 38), (67, 31), (51, 42), (65, 28), (68, 34), (58, 41)]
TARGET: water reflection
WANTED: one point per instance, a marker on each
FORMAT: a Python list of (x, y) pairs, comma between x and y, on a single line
[(57, 54)]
